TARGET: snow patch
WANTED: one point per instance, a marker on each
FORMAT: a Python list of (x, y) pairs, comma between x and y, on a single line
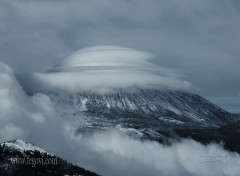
[(22, 146)]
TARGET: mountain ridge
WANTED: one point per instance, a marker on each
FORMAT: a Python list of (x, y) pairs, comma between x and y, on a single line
[(155, 108), (18, 157)]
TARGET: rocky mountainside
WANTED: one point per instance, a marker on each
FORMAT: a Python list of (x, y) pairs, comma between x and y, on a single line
[(22, 158), (143, 109)]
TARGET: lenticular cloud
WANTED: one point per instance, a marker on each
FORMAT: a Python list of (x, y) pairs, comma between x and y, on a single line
[(106, 67), (107, 56)]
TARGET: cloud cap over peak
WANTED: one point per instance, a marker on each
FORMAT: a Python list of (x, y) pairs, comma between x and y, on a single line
[(107, 56), (106, 67)]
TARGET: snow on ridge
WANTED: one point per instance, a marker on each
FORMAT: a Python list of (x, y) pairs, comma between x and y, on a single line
[(21, 145)]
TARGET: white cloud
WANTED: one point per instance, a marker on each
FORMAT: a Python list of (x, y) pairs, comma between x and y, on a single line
[(107, 56), (10, 131), (111, 153), (23, 116), (105, 67)]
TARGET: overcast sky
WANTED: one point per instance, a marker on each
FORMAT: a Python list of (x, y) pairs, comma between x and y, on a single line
[(199, 38)]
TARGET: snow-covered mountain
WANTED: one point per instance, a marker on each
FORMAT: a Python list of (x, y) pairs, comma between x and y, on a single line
[(142, 109), (21, 146), (21, 158)]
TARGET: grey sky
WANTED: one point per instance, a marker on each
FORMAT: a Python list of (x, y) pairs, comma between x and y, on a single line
[(200, 38)]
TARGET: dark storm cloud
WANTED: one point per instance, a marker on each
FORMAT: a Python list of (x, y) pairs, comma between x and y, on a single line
[(201, 38)]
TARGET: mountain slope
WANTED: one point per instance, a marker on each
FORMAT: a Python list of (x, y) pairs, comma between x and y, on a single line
[(21, 158), (143, 108), (227, 135)]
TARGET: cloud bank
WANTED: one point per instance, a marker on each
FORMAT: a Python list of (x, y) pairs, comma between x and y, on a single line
[(26, 117), (115, 154), (36, 119), (105, 67)]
